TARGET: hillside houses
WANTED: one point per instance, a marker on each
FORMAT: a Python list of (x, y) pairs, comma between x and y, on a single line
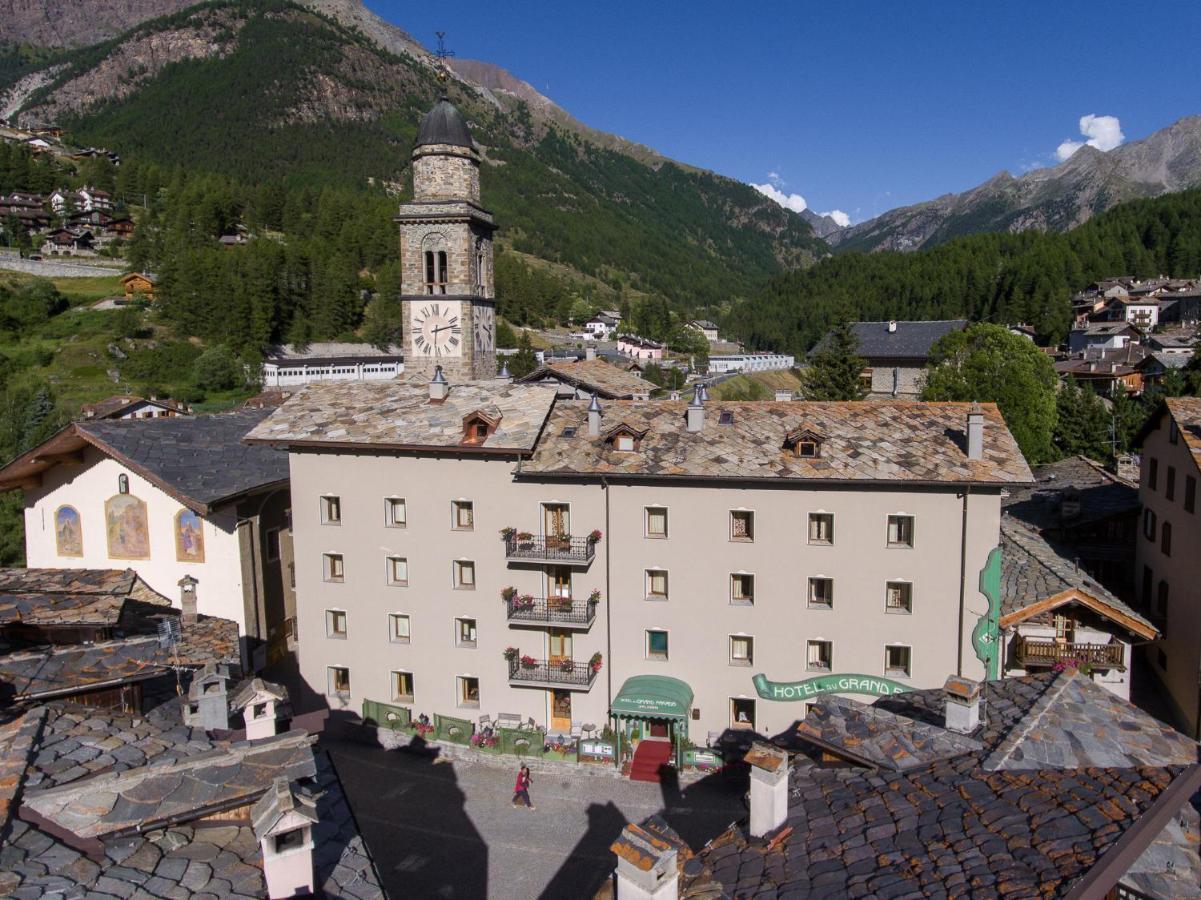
[(71, 222)]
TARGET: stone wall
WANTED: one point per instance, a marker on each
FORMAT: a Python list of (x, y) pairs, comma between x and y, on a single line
[(443, 172), (54, 269)]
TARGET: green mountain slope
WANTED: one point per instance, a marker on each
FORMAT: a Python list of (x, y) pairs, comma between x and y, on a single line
[(264, 91)]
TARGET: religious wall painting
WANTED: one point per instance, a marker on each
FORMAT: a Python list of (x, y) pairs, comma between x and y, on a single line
[(68, 531), (189, 537), (126, 528)]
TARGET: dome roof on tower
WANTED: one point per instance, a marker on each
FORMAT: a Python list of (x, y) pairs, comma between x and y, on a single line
[(444, 124)]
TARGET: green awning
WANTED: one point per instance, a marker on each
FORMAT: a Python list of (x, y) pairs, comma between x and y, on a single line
[(653, 697)]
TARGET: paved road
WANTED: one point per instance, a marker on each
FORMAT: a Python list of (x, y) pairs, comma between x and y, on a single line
[(447, 830)]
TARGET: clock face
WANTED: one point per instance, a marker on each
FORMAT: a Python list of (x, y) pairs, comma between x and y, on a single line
[(485, 327), (437, 329)]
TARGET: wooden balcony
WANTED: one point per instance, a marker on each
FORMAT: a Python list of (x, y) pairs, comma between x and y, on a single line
[(551, 673), (1035, 652), (560, 611), (571, 551)]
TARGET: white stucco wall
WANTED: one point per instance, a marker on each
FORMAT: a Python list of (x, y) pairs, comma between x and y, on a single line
[(86, 487)]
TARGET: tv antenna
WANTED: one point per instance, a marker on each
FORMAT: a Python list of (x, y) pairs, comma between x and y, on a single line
[(441, 69)]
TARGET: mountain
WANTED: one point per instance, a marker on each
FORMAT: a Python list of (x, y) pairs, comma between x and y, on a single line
[(823, 226), (324, 92), (1056, 198)]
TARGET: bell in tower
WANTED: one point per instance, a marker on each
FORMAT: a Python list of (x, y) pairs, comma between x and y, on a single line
[(446, 255)]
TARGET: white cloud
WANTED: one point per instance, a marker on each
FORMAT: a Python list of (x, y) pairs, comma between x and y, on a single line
[(774, 178), (839, 217), (795, 202), (1102, 132)]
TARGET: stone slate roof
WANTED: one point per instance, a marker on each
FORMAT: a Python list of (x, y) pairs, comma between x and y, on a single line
[(876, 737), (332, 352), (862, 441), (97, 597), (911, 341), (67, 581), (198, 458), (244, 695), (1100, 494), (280, 800), (399, 415), (152, 796), (957, 828), (594, 375), (1033, 569)]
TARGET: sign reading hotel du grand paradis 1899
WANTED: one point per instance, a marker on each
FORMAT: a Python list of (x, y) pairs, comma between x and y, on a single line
[(827, 684)]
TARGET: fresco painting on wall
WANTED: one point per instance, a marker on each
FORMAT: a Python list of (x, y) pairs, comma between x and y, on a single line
[(189, 537), (68, 533), (125, 523)]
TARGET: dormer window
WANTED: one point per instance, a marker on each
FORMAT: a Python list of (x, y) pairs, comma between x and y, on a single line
[(624, 438), (804, 443), (478, 427)]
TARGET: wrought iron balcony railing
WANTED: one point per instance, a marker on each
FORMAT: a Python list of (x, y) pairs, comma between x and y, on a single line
[(550, 611), (565, 673), (539, 548)]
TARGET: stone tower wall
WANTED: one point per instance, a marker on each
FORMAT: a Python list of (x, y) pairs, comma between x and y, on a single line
[(445, 172), (459, 240)]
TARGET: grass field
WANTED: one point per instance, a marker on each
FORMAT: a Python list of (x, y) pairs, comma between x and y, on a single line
[(757, 385)]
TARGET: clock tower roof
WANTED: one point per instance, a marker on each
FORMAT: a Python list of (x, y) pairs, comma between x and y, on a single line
[(444, 124)]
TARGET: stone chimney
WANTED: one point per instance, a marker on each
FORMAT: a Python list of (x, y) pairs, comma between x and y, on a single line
[(975, 433), (594, 417), (769, 788), (187, 601), (647, 866), (589, 353), (283, 821), (439, 387), (892, 326), (962, 704), (695, 415)]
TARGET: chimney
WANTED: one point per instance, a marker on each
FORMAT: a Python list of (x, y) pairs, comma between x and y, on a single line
[(769, 788), (594, 417), (648, 867), (892, 326), (283, 821), (962, 704), (187, 601), (695, 415), (975, 433), (439, 388), (504, 371), (589, 353), (704, 392)]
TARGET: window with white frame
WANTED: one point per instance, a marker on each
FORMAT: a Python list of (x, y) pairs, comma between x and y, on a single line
[(334, 568), (339, 680), (464, 574), (656, 644), (397, 570), (331, 510), (656, 521), (819, 656), (402, 687), (742, 650), (400, 628), (464, 632), (898, 597), (821, 592), (463, 515), (396, 513), (469, 691), (742, 588), (742, 525), (821, 528), (335, 623), (656, 584), (896, 661), (900, 531)]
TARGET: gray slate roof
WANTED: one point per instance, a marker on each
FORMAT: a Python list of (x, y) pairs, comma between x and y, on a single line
[(1100, 493), (911, 341), (444, 124), (200, 458)]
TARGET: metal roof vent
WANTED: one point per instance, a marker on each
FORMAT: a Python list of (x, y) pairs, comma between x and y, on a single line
[(594, 417)]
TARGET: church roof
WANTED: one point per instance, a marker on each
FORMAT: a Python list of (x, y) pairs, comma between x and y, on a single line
[(444, 124)]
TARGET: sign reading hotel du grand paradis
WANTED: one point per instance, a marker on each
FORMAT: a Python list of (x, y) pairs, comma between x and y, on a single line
[(827, 684)]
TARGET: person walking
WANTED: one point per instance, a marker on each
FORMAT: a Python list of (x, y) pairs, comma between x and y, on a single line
[(521, 790)]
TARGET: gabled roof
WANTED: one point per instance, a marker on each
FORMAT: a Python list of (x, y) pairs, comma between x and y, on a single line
[(1099, 494), (595, 376), (910, 340), (113, 407), (251, 690), (282, 800), (199, 460), (1187, 413)]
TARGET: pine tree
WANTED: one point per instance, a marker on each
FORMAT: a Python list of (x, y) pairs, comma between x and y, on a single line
[(834, 371), (1082, 424), (523, 362)]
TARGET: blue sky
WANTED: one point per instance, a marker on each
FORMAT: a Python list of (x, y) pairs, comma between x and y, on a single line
[(856, 106)]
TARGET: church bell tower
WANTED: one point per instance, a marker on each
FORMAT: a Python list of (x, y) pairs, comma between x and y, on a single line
[(447, 287)]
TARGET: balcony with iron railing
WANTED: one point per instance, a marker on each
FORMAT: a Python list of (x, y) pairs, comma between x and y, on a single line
[(559, 611), (523, 547), (565, 673), (1033, 652)]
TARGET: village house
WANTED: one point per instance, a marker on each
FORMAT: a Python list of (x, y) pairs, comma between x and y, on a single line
[(139, 286), (174, 497), (86, 198), (602, 325), (1103, 370), (289, 366), (1168, 550), (707, 328), (1102, 336), (896, 353), (1141, 311), (126, 407), (639, 348)]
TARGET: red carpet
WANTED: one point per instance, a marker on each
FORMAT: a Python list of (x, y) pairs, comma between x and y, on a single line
[(649, 756)]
